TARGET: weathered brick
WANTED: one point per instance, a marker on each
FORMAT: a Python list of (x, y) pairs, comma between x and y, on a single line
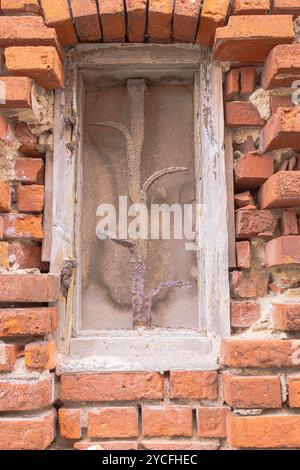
[(8, 356), (264, 432), (287, 7), (194, 385), (248, 80), (27, 139), (86, 20), (57, 15), (29, 170), (289, 222), (69, 423), (26, 255), (211, 422), (252, 170), (23, 226), (28, 321), (26, 395), (185, 22), (282, 66), (280, 101), (243, 255), (250, 7), (281, 190), (1, 228), (26, 31), (232, 84), (30, 198), (252, 391), (283, 251), (286, 317), (41, 63), (17, 92), (34, 432), (115, 386), (244, 313), (249, 285), (160, 13), (254, 223), (112, 20), (244, 200), (117, 422), (40, 355), (260, 353), (282, 130), (242, 114), (136, 20), (248, 41), (4, 253), (3, 125), (213, 15), (29, 288), (20, 7), (293, 382), (5, 197), (106, 445), (167, 421), (180, 444)]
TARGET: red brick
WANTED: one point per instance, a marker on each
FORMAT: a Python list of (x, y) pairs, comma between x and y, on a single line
[(283, 251), (287, 7), (243, 253), (34, 432), (23, 226), (3, 121), (136, 20), (280, 101), (194, 385), (26, 255), (250, 40), (282, 66), (22, 395), (8, 356), (29, 170), (115, 386), (185, 22), (264, 432), (4, 253), (252, 391), (255, 223), (57, 15), (86, 20), (244, 314), (20, 7), (113, 423), (17, 91), (4, 197), (242, 114), (1, 228), (27, 139), (211, 422), (160, 13), (180, 444), (281, 190), (29, 288), (213, 15), (248, 80), (282, 130), (244, 200), (106, 445), (249, 285), (260, 353), (167, 421), (69, 423), (40, 355), (26, 31), (28, 321), (112, 20), (253, 170), (286, 317), (30, 198), (232, 84), (289, 223), (293, 381), (41, 63), (250, 7)]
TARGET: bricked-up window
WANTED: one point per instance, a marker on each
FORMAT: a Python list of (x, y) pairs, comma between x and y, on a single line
[(134, 115)]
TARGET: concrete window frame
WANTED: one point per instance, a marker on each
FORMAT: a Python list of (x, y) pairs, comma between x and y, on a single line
[(106, 350)]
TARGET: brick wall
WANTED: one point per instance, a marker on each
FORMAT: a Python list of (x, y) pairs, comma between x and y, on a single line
[(252, 401)]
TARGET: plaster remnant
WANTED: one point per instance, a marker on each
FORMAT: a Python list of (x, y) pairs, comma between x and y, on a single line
[(261, 100), (240, 135)]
